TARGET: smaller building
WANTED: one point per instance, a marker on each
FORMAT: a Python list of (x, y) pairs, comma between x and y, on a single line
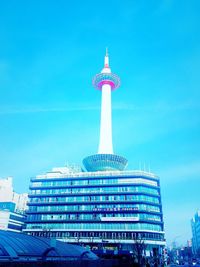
[(12, 207), (11, 221), (195, 224), (8, 195)]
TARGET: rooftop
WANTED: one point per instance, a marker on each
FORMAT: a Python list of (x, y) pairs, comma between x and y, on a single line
[(55, 174), (21, 246)]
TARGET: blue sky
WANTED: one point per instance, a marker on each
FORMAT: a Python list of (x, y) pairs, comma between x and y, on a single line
[(49, 112)]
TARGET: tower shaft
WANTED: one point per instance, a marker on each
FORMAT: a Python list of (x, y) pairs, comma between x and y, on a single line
[(105, 160), (105, 141)]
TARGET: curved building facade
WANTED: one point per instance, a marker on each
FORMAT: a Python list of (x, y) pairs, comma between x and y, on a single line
[(101, 209)]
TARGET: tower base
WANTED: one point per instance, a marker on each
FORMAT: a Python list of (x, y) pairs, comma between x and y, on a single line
[(104, 162)]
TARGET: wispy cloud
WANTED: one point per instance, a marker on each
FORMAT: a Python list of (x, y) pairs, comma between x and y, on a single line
[(12, 110), (159, 106)]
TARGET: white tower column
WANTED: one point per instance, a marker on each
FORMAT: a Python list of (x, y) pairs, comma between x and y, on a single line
[(105, 142), (105, 160)]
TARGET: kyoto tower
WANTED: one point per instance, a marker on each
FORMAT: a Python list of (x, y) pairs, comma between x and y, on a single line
[(105, 160)]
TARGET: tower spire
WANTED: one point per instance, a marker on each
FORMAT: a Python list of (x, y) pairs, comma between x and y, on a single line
[(107, 51), (106, 68)]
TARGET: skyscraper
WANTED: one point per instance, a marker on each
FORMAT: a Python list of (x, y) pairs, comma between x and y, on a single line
[(195, 224), (103, 206)]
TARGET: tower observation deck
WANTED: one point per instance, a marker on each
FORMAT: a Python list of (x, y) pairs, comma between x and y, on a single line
[(106, 82)]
